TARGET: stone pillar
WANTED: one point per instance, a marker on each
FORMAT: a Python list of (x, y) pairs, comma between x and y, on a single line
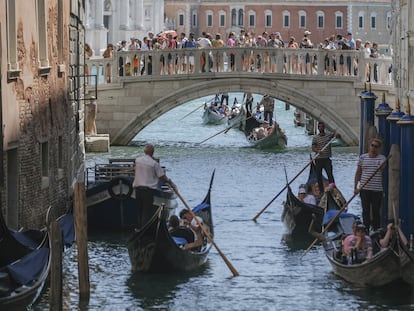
[(139, 14), (99, 10), (124, 12), (382, 112), (407, 172), (367, 118)]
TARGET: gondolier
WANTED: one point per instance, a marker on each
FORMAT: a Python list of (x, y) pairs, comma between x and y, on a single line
[(323, 161), (148, 173)]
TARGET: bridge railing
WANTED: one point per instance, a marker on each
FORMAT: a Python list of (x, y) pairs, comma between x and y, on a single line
[(306, 63)]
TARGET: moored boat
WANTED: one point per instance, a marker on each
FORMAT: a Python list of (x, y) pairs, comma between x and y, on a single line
[(110, 197), (24, 266), (153, 249)]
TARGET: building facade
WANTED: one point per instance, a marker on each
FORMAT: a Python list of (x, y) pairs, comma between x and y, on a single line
[(41, 48), (367, 20), (110, 21)]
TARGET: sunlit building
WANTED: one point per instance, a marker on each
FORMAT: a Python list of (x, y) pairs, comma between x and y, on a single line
[(41, 107), (365, 19)]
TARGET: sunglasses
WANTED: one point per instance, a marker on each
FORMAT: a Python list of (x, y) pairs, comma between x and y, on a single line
[(374, 145)]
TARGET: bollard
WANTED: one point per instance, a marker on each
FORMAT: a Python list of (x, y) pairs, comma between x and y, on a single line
[(382, 112), (55, 300), (82, 241), (407, 171)]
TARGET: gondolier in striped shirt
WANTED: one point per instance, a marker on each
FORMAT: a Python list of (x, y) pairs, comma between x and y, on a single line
[(148, 173), (371, 194), (323, 161)]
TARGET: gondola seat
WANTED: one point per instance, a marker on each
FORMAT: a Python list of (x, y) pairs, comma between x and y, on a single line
[(182, 235)]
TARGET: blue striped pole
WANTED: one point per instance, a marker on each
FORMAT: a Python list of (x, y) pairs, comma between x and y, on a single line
[(406, 123), (361, 119), (382, 112), (395, 131), (367, 116)]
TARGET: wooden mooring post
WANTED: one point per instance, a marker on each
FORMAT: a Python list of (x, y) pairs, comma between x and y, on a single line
[(55, 299), (82, 241)]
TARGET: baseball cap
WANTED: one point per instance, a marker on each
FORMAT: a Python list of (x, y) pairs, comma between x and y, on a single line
[(302, 190)]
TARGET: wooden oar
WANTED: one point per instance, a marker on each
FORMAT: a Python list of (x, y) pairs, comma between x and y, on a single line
[(222, 131), (197, 108), (347, 203), (296, 176), (228, 263)]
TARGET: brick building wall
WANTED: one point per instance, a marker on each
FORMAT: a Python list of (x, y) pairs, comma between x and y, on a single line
[(350, 11)]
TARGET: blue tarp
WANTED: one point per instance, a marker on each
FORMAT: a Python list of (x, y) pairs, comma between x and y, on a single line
[(30, 266), (329, 215), (67, 225), (24, 239), (179, 241), (200, 207)]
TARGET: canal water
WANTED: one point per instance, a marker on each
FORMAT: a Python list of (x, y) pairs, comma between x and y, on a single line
[(274, 274)]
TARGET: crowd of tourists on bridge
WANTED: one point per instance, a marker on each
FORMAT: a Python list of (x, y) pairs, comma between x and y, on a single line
[(303, 62)]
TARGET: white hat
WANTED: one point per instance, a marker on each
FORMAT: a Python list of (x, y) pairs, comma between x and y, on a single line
[(302, 190), (307, 32)]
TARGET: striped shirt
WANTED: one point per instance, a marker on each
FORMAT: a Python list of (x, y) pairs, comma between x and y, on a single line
[(320, 141), (368, 166)]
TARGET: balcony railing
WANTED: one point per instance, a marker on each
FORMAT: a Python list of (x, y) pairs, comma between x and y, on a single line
[(195, 63)]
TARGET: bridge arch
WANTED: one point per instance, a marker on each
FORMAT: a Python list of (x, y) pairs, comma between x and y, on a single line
[(297, 93)]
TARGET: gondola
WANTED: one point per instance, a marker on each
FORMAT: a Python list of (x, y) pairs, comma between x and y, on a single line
[(24, 266), (213, 116), (382, 268), (154, 249), (303, 220), (254, 128), (110, 198), (236, 119)]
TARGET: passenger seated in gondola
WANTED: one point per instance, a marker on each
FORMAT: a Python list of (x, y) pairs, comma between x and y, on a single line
[(187, 217), (306, 197), (181, 235), (358, 246), (382, 238)]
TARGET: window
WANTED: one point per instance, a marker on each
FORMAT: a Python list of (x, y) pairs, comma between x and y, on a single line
[(339, 20), (180, 19), (320, 19), (252, 19), (361, 20), (286, 19), (233, 17), (194, 19), (373, 21), (12, 64), (42, 31), (241, 17), (302, 19), (222, 19), (44, 152), (60, 31), (388, 23), (209, 18), (268, 18)]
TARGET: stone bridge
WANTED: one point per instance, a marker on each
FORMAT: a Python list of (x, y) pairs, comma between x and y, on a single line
[(136, 87)]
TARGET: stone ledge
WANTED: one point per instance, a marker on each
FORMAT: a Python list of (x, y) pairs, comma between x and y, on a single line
[(97, 143)]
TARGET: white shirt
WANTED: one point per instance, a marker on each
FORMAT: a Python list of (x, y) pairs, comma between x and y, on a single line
[(147, 172)]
